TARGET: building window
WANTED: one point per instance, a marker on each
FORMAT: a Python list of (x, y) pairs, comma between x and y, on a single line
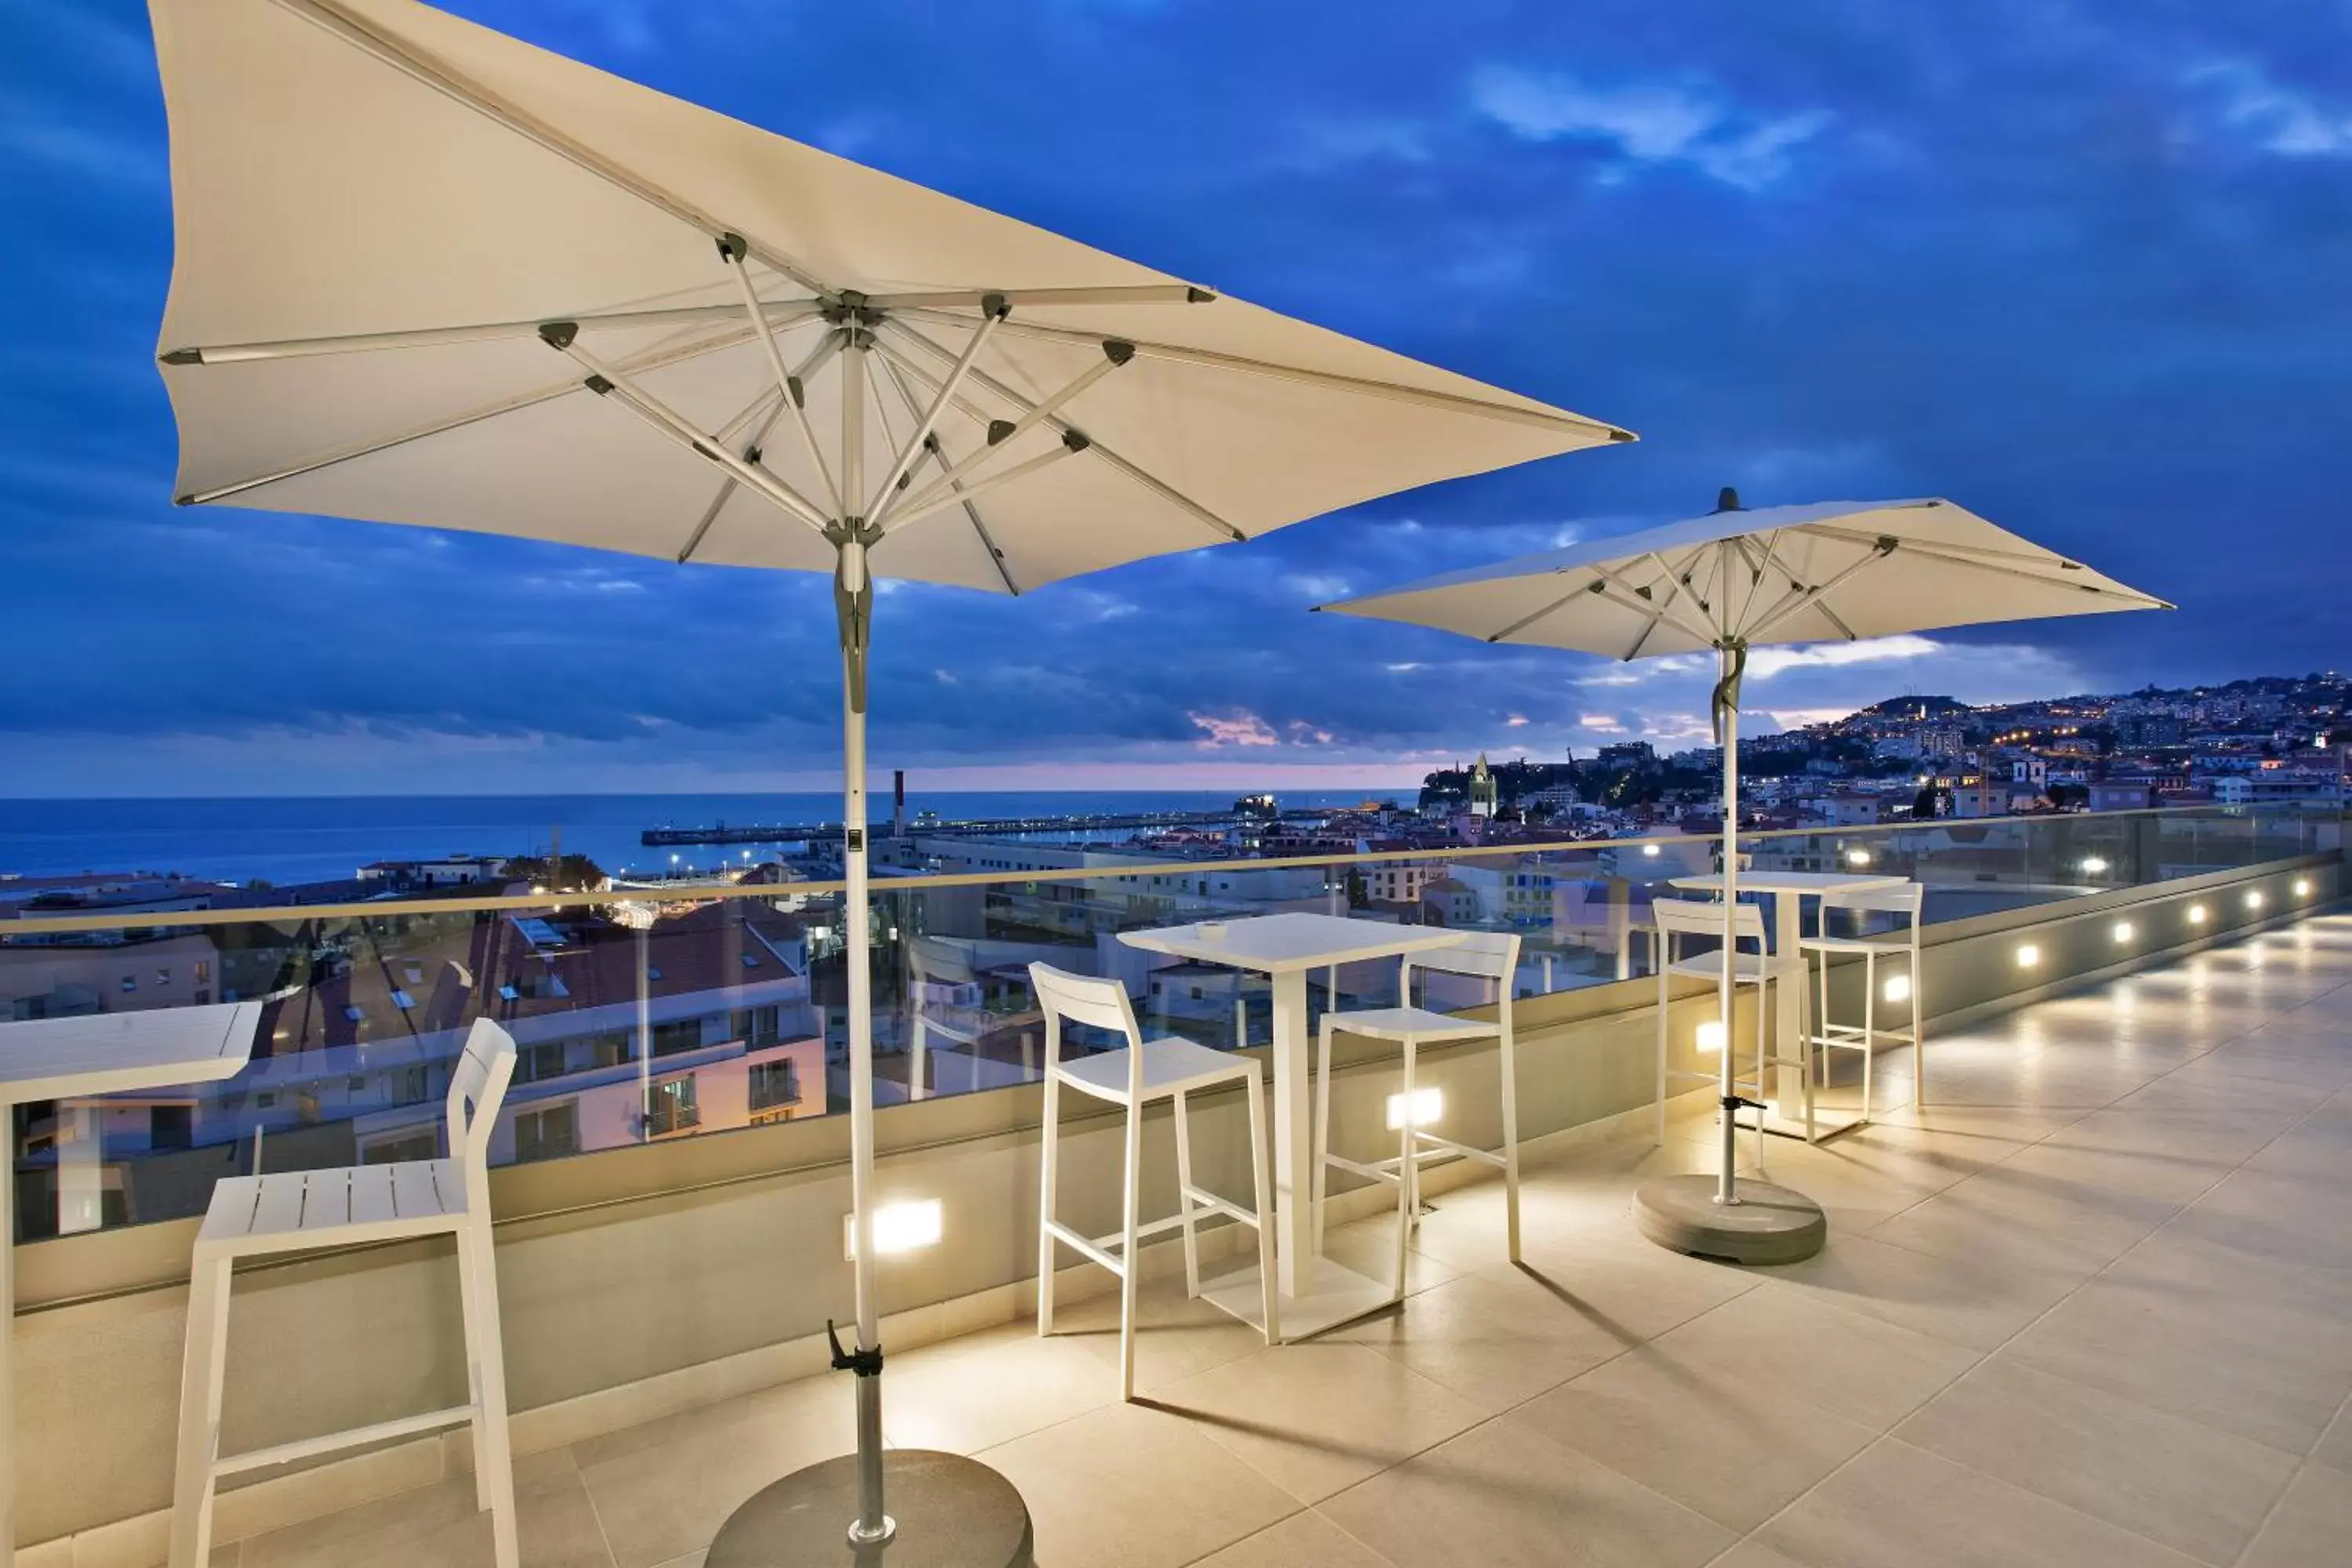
[(684, 1035), (129, 983), (406, 1085), (544, 1060), (170, 1126), (547, 1134), (610, 1050), (394, 1151), (754, 1026), (774, 1084), (671, 1107), (202, 971), (163, 977)]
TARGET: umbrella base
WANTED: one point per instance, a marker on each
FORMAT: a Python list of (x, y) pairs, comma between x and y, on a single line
[(1769, 1223), (951, 1512)]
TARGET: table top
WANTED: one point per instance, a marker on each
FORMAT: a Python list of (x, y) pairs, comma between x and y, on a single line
[(101, 1053), (1274, 944), (1793, 881)]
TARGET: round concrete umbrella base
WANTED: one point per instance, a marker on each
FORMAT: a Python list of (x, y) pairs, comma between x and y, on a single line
[(951, 1512), (1769, 1223)]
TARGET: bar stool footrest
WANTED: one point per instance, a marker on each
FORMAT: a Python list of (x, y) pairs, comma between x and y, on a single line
[(336, 1442)]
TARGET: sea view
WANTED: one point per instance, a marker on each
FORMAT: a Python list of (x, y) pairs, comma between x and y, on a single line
[(316, 838)]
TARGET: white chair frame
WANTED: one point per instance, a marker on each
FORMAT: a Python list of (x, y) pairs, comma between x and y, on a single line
[(1699, 919), (302, 1211), (1906, 900), (1486, 955), (1133, 1075)]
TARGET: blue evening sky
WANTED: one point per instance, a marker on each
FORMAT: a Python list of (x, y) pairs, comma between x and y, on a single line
[(2080, 267)]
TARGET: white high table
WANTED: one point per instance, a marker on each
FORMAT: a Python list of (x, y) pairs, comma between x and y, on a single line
[(1789, 890), (1316, 1293), (67, 1058)]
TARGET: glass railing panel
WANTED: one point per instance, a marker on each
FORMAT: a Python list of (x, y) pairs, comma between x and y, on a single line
[(691, 1011)]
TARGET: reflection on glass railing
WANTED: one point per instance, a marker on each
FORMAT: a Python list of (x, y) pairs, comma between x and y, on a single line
[(652, 1020)]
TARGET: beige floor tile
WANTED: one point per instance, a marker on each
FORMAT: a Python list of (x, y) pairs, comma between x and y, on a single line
[(2192, 1487), (1702, 1435), (1369, 1247), (1753, 1553), (1900, 1505), (2312, 1525), (1629, 1287), (1978, 1302), (2022, 1212), (1790, 1344), (691, 1559), (1134, 1486), (2334, 1447), (988, 1388), (2294, 1218), (1175, 1336), (2253, 1371), (2205, 1140), (437, 1527), (663, 1489), (1994, 1123), (1494, 1337), (1317, 1417), (1504, 1496), (1305, 1540)]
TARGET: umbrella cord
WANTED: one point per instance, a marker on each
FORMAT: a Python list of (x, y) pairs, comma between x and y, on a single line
[(1726, 689)]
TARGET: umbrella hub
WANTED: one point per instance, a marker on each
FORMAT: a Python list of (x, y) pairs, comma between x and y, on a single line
[(853, 598)]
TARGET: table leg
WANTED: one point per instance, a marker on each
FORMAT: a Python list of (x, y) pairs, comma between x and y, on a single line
[(1294, 1154), (1789, 1010)]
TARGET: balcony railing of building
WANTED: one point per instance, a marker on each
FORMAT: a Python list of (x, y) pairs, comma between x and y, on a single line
[(742, 987)]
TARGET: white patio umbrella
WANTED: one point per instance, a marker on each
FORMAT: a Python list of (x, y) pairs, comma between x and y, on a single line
[(428, 274), (1727, 581)]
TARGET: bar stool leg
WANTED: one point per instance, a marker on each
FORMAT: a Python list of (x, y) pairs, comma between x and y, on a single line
[(204, 1367), (1047, 1146), (1404, 1172), (1660, 1128), (1322, 1125), (1763, 988), (1184, 1197), (1511, 1140), (493, 1449), (1869, 1025), (1262, 1180), (1128, 1263), (1919, 1035)]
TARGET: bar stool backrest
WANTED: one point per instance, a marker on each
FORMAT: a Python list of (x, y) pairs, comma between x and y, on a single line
[(1903, 898), (477, 1089), (1086, 999), (1697, 917), (1485, 954)]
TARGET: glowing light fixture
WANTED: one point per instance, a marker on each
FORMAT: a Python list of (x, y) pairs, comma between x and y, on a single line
[(2254, 898), (1650, 850), (1857, 857), (2122, 932), (2028, 955), (2197, 914), (2303, 887), (2094, 865), (1897, 988), (1428, 1106), (902, 1226), (1710, 1035)]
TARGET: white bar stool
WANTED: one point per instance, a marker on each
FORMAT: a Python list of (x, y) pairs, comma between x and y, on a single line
[(302, 1211), (1485, 956), (1694, 919), (1904, 903), (1133, 1075)]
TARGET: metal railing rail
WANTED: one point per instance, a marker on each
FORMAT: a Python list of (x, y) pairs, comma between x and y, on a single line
[(715, 892)]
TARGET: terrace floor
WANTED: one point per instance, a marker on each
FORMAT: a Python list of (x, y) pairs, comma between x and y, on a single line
[(2092, 1306)]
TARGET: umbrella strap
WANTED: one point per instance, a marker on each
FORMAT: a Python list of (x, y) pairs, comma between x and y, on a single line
[(1727, 688)]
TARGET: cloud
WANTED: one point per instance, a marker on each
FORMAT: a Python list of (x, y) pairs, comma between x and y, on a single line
[(1764, 663), (2250, 103), (1515, 721), (1604, 723), (1648, 124), (1236, 728)]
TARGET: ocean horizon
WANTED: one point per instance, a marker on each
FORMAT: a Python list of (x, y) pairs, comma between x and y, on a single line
[(286, 840)]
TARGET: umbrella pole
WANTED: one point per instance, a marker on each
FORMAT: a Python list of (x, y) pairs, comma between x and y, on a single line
[(1728, 662), (853, 594)]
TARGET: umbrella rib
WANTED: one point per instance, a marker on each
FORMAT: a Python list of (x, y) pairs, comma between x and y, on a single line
[(787, 385), (1020, 426), (1149, 480), (2014, 565), (684, 431), (938, 455), (1424, 397), (1524, 621), (993, 317), (1648, 608), (1100, 294), (777, 312), (335, 19), (1072, 444), (1759, 568), (652, 359), (728, 486), (1815, 595), (1674, 588)]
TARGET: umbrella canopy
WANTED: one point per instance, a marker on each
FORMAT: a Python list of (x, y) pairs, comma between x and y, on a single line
[(1832, 571), (428, 274), (1736, 578), (379, 206)]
